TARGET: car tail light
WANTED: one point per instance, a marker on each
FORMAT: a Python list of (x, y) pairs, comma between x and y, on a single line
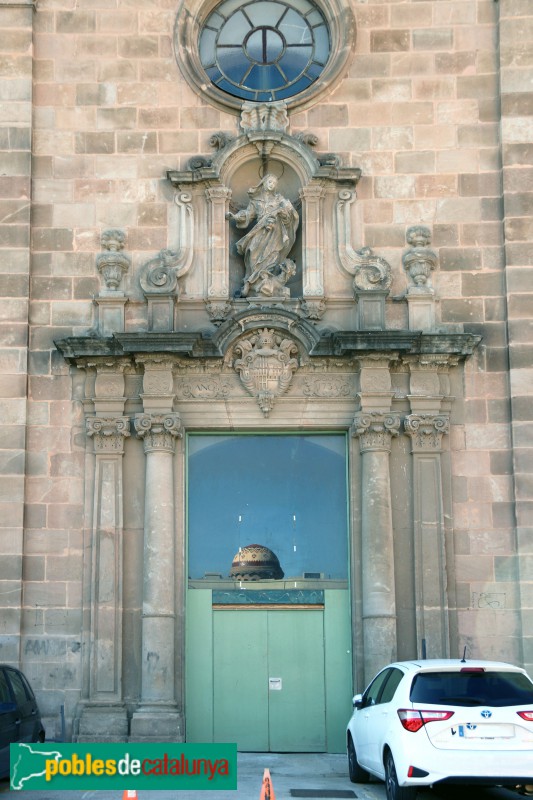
[(527, 715), (416, 772), (414, 720)]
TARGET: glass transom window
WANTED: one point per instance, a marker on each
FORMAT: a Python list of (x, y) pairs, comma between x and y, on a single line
[(264, 50)]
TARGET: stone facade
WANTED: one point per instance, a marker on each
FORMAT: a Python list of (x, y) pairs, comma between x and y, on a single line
[(408, 325)]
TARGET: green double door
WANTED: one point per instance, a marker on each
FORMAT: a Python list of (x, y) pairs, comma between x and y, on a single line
[(269, 692), (269, 679)]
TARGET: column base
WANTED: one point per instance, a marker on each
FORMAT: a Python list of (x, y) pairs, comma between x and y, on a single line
[(102, 724), (379, 641), (156, 724)]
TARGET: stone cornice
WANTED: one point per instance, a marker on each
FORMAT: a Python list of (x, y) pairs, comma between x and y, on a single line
[(75, 349), (413, 342), (19, 4)]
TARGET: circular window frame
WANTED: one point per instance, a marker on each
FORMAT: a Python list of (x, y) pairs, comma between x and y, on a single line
[(190, 21)]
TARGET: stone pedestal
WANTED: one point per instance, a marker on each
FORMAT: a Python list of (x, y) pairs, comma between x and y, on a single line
[(156, 723), (370, 310), (103, 723), (111, 312), (421, 308), (160, 311)]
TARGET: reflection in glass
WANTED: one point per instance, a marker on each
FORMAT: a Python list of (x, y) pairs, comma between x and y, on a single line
[(321, 44), (296, 87), (236, 31), (207, 47), (295, 29), (286, 492), (262, 14), (265, 77), (231, 64)]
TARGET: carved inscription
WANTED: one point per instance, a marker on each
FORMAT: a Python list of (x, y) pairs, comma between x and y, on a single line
[(203, 389), (326, 387)]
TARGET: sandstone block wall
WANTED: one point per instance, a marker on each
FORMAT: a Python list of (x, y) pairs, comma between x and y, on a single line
[(435, 109)]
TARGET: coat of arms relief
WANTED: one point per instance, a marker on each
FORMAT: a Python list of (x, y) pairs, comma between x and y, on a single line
[(266, 362)]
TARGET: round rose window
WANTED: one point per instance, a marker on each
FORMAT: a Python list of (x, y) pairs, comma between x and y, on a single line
[(264, 50)]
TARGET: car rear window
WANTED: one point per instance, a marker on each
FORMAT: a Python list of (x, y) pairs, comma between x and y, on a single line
[(489, 688), (5, 696)]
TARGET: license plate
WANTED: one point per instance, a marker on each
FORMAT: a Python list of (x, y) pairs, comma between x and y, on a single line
[(484, 730)]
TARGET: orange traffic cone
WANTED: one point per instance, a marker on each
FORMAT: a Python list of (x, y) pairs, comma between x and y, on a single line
[(267, 790), (130, 794)]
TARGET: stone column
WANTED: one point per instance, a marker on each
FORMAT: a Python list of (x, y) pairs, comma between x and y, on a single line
[(375, 431), (218, 281), (157, 717), (313, 258), (103, 716), (429, 420), (426, 431)]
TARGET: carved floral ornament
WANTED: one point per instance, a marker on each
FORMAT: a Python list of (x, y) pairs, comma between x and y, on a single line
[(266, 364), (108, 433), (426, 430), (375, 429), (158, 431)]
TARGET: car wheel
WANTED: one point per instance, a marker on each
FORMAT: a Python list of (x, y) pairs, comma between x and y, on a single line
[(394, 791), (355, 770)]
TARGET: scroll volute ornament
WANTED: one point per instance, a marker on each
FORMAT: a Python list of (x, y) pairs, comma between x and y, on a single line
[(266, 362)]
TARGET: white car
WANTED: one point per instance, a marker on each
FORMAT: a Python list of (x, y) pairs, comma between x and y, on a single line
[(432, 721)]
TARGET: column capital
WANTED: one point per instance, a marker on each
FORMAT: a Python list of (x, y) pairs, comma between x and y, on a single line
[(375, 430), (108, 433), (312, 191), (159, 431), (426, 431), (218, 193)]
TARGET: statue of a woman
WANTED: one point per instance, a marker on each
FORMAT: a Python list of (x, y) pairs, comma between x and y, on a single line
[(266, 246)]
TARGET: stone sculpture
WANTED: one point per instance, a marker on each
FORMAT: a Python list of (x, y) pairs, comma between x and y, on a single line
[(268, 243)]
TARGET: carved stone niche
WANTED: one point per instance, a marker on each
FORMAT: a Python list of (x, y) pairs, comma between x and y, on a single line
[(268, 217)]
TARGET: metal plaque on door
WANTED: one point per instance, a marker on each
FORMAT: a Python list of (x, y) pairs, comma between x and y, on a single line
[(275, 684)]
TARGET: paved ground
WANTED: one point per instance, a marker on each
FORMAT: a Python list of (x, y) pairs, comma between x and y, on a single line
[(308, 775)]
